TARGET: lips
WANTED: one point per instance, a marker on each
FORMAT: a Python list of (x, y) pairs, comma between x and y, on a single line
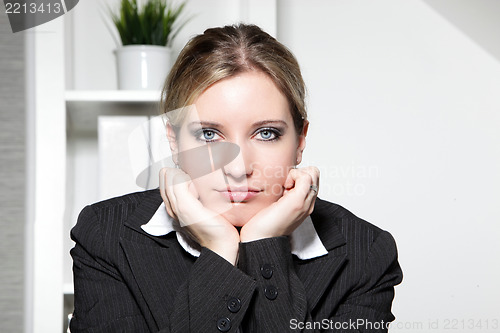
[(239, 194)]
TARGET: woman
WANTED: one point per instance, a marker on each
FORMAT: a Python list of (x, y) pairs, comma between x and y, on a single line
[(245, 246)]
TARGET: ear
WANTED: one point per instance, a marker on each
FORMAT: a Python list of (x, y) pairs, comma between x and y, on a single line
[(302, 141), (172, 140)]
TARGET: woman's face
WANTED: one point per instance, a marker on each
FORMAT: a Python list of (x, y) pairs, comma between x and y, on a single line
[(249, 111)]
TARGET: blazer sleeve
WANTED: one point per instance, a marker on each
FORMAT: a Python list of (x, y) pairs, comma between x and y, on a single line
[(214, 297), (103, 303), (281, 297), (368, 307)]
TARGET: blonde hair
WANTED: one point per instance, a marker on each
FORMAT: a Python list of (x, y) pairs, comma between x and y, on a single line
[(223, 52)]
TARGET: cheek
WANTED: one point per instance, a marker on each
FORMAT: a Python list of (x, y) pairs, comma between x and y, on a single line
[(208, 182), (208, 186), (273, 173), (193, 159)]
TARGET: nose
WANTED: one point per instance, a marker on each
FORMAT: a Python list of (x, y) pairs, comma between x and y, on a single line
[(241, 167)]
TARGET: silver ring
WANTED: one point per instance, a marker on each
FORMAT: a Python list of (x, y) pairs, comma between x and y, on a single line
[(314, 188)]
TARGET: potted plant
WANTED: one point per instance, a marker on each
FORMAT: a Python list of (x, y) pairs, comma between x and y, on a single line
[(146, 32)]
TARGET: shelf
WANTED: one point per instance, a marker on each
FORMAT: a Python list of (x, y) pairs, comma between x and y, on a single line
[(117, 96), (68, 288), (83, 108)]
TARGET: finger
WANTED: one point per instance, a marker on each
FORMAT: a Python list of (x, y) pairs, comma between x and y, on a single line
[(173, 178), (300, 181), (163, 184), (290, 179), (193, 191), (169, 188), (303, 183), (187, 207), (314, 173), (179, 184)]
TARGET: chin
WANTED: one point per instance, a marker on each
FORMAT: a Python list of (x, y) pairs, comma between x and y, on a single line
[(236, 213), (239, 214)]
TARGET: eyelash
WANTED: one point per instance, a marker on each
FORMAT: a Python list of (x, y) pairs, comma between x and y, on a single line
[(274, 131)]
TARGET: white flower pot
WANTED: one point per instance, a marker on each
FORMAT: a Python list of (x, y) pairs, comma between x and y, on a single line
[(142, 67)]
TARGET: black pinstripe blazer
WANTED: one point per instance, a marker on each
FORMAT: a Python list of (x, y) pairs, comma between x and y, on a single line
[(129, 281)]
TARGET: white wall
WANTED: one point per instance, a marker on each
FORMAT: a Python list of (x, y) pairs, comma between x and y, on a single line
[(405, 119)]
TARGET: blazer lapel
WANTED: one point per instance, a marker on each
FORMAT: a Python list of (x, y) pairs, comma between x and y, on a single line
[(158, 264), (158, 272), (317, 273)]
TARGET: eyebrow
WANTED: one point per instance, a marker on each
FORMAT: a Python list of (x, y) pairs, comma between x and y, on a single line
[(258, 123)]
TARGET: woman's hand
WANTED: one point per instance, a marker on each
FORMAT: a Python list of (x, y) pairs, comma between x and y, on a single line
[(285, 215), (208, 228)]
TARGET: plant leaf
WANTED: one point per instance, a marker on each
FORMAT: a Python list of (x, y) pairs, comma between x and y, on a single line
[(156, 22)]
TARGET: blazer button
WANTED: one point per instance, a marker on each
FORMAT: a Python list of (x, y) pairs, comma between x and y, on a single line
[(271, 292), (224, 324), (234, 305), (266, 270)]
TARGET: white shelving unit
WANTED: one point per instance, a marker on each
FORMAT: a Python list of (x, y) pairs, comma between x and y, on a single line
[(64, 149), (65, 173), (117, 96), (83, 109)]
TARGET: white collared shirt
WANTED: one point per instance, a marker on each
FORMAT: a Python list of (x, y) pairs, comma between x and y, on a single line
[(304, 241)]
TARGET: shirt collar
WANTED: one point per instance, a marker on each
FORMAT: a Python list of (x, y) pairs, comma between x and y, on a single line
[(304, 241)]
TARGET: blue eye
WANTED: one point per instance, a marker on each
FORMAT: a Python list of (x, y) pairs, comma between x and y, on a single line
[(208, 135), (212, 135), (268, 134)]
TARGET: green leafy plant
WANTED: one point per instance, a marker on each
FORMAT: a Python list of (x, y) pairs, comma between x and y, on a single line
[(157, 22)]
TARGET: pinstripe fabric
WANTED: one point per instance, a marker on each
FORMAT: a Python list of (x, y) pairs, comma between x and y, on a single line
[(129, 281)]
